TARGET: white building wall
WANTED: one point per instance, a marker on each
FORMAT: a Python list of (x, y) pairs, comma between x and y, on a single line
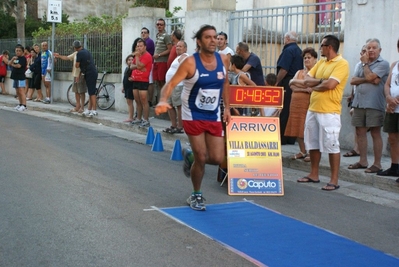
[(218, 19)]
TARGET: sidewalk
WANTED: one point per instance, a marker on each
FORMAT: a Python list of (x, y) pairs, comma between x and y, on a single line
[(115, 119)]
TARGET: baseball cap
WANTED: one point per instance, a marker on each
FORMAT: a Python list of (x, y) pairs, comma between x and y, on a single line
[(77, 44)]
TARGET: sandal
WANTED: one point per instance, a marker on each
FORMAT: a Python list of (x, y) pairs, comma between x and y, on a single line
[(74, 110), (306, 159), (330, 187), (38, 100), (300, 155), (179, 131), (372, 169), (307, 180), (351, 153), (356, 165), (170, 130)]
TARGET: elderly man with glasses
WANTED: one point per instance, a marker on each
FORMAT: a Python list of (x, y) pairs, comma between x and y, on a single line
[(369, 104)]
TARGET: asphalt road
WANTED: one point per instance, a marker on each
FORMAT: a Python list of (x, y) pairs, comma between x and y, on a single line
[(73, 194)]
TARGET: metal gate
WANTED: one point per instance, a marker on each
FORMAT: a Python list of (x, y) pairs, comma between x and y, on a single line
[(263, 29)]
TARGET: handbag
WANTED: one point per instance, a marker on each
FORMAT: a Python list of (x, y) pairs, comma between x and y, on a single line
[(28, 73)]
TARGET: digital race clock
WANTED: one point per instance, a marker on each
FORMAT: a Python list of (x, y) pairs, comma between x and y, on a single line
[(256, 96)]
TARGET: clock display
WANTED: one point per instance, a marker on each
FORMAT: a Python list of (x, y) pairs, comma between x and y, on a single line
[(256, 96)]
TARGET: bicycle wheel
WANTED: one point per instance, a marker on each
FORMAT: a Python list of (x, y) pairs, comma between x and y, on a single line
[(72, 99), (71, 96), (106, 96)]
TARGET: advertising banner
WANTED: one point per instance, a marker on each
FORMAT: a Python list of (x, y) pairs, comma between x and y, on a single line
[(254, 156)]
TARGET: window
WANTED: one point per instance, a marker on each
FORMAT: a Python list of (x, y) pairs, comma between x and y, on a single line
[(329, 13)]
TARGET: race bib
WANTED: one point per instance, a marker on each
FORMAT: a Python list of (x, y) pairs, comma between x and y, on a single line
[(207, 99)]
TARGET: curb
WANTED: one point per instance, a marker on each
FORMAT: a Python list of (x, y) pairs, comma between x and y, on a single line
[(159, 123)]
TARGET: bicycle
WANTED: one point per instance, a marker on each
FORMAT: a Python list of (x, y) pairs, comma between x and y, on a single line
[(105, 94)]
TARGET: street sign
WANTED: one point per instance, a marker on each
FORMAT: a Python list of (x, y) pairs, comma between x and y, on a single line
[(54, 11)]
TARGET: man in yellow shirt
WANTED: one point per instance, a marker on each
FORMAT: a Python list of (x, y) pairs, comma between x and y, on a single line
[(323, 120)]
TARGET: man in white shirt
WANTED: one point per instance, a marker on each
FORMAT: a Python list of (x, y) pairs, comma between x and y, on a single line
[(175, 99), (222, 45), (224, 49)]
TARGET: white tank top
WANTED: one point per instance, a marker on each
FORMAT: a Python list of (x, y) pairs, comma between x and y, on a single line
[(395, 83)]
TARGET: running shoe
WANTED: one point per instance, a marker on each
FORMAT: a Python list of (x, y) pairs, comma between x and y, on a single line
[(47, 101), (188, 157), (17, 106), (144, 123), (196, 202), (93, 113), (86, 112), (136, 121), (22, 108)]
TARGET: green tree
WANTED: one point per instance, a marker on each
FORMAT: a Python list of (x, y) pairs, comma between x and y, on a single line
[(8, 26), (152, 3), (16, 8)]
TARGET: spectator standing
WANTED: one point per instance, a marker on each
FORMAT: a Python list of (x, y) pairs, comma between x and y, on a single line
[(252, 63), (391, 121), (88, 71), (175, 99), (299, 105), (3, 70), (288, 63), (36, 68), (237, 77), (163, 45), (145, 34), (31, 85), (225, 50), (28, 56), (18, 64), (327, 80), (222, 45), (176, 37), (355, 151), (271, 79), (369, 104), (202, 122), (47, 65), (79, 84), (141, 66), (240, 77), (127, 88)]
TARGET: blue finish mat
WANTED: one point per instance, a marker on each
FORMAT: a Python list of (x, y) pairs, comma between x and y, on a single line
[(268, 238)]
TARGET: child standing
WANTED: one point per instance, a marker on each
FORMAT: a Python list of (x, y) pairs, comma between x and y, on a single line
[(18, 64), (127, 88), (271, 80)]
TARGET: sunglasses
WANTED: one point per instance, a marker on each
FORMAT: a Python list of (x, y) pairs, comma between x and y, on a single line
[(160, 24), (144, 32)]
